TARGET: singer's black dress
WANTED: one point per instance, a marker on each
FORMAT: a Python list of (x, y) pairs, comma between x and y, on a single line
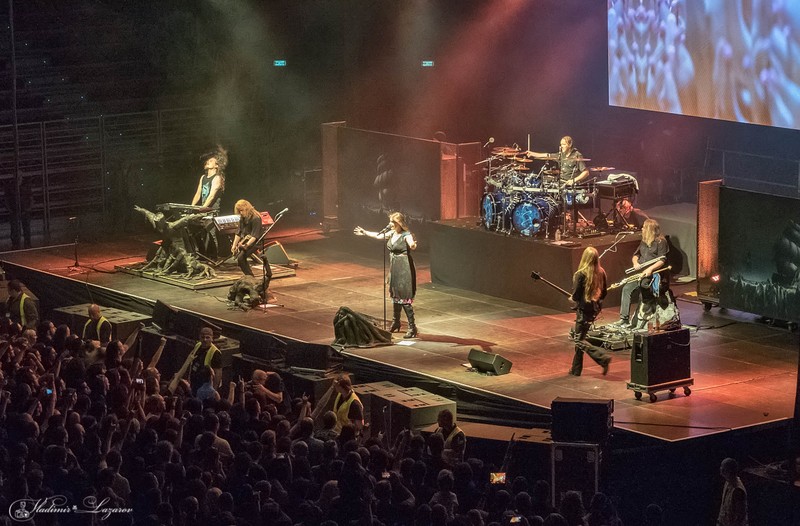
[(402, 274)]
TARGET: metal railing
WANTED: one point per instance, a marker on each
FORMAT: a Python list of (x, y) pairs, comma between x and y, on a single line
[(69, 162), (757, 173)]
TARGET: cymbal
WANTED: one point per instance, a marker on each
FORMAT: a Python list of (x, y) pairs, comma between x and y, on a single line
[(522, 160), (578, 159), (551, 172), (520, 168), (601, 168), (503, 149)]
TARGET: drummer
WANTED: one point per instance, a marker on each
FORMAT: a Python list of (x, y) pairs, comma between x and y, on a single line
[(570, 162)]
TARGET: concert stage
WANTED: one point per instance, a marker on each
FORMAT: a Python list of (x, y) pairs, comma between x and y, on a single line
[(745, 373)]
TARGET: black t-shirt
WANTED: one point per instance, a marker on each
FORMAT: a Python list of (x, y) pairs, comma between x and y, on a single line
[(250, 226), (275, 384), (658, 248)]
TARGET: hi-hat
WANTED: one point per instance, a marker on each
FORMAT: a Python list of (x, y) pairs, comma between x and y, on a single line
[(601, 168)]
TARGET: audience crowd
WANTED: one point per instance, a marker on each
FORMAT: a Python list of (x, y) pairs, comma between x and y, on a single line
[(91, 432)]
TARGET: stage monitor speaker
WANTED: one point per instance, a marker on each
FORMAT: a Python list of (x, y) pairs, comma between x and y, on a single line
[(660, 357), (487, 362), (164, 316), (189, 325), (582, 420), (276, 254), (308, 355)]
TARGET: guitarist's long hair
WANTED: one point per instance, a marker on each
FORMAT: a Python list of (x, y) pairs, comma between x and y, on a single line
[(244, 209), (651, 232), (593, 272)]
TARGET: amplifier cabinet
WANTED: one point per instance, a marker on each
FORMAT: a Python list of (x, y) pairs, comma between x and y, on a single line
[(392, 411), (660, 357), (575, 467)]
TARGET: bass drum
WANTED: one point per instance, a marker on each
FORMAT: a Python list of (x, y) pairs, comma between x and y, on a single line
[(493, 205), (528, 218)]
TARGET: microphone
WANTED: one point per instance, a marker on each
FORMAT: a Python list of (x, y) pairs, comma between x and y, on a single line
[(282, 211), (385, 229), (490, 141)]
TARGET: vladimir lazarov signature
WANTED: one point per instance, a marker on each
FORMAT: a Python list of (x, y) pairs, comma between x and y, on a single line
[(25, 509)]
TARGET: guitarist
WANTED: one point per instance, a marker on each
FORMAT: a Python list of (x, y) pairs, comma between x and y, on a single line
[(588, 290), (244, 243), (652, 246)]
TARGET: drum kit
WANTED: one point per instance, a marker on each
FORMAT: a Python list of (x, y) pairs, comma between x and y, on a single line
[(531, 204)]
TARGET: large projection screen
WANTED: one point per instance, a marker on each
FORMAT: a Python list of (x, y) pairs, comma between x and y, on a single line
[(737, 60)]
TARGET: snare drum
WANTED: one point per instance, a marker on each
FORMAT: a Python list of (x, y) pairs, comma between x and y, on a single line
[(529, 217)]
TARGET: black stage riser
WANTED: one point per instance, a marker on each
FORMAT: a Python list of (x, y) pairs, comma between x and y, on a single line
[(499, 265)]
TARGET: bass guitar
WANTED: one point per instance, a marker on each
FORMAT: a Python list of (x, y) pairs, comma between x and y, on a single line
[(538, 277)]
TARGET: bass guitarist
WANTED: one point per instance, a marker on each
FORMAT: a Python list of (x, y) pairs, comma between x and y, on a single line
[(588, 290)]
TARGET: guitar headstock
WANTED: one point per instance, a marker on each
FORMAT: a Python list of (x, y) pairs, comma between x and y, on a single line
[(536, 275)]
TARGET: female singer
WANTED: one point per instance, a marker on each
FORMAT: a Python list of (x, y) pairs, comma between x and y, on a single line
[(402, 275), (588, 291)]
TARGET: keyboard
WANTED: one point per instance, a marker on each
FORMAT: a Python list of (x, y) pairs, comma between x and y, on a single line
[(230, 224), (181, 208)]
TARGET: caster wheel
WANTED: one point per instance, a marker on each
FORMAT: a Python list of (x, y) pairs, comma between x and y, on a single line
[(706, 306), (653, 397), (671, 393), (687, 391), (637, 395)]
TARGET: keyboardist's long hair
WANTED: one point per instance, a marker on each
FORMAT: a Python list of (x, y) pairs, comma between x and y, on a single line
[(244, 209)]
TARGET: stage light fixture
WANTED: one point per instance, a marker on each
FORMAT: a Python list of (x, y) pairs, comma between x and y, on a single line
[(427, 63), (715, 278), (279, 63)]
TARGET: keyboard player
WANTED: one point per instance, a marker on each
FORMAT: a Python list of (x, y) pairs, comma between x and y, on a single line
[(208, 195), (212, 182)]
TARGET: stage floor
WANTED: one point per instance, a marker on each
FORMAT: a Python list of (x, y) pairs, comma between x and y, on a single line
[(745, 373)]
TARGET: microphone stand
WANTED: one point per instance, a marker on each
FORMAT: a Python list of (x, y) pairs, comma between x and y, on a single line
[(76, 266), (264, 262), (617, 239)]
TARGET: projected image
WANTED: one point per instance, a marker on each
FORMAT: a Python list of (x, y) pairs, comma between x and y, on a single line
[(736, 60), (759, 253)]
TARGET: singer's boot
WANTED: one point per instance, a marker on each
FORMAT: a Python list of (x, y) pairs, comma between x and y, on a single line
[(398, 308), (412, 327)]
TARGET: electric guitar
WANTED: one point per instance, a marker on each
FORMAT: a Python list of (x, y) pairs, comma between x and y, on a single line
[(591, 309), (537, 277)]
